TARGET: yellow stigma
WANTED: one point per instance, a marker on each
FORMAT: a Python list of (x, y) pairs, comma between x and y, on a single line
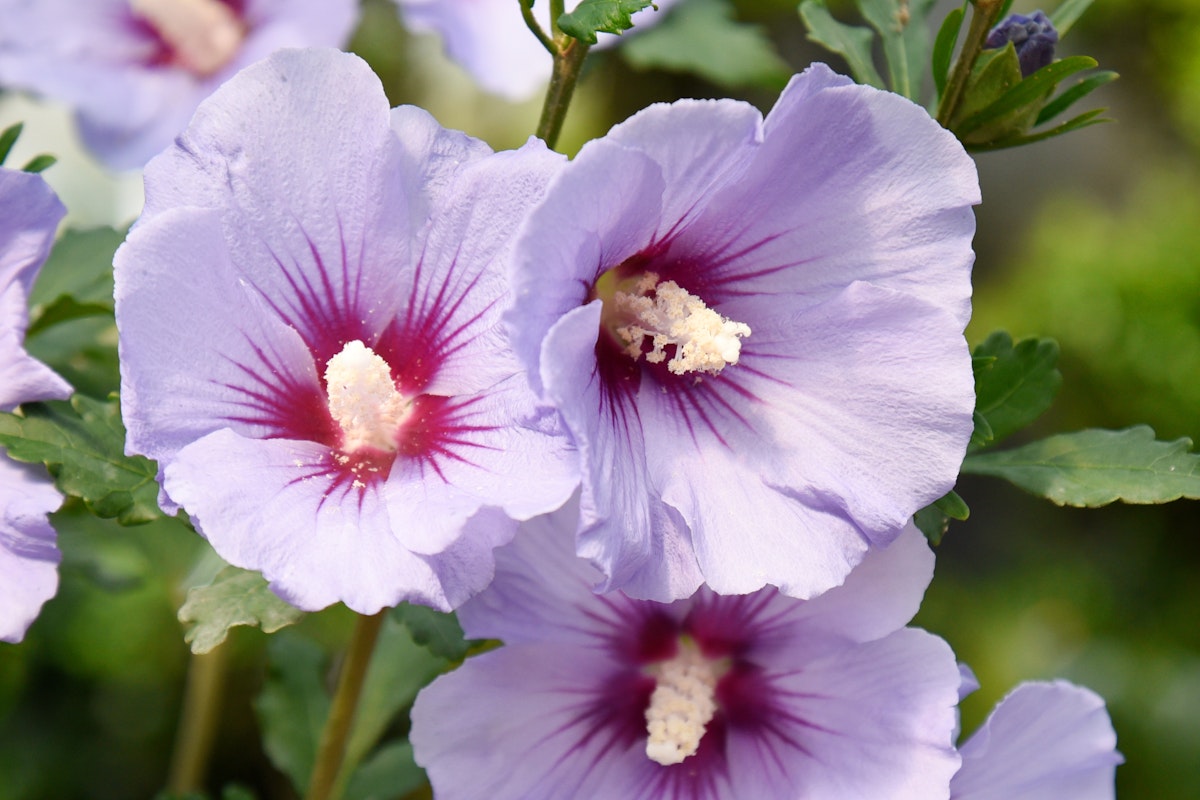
[(682, 705), (363, 399), (704, 340), (204, 34)]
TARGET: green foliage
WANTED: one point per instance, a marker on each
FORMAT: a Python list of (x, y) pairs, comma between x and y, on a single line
[(943, 47), (704, 38), (82, 443), (1067, 13), (76, 280), (39, 163), (8, 137), (851, 42), (600, 16), (901, 25), (389, 773), (293, 706), (934, 519), (234, 597), (1096, 467), (1013, 385), (435, 630)]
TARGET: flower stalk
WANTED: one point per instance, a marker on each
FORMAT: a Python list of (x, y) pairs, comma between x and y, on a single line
[(332, 748), (569, 54), (197, 721), (984, 14)]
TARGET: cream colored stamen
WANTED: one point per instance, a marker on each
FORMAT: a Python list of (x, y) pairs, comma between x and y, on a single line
[(704, 340), (363, 399), (204, 34), (682, 705)]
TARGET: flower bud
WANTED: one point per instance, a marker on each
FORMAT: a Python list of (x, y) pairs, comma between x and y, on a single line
[(1034, 38)]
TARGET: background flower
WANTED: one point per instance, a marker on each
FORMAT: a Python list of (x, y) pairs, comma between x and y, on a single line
[(490, 40), (29, 214), (333, 399), (826, 698), (135, 70), (837, 232)]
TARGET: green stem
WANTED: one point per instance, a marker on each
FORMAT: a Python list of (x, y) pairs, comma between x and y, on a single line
[(568, 60), (197, 722), (557, 9), (332, 748), (983, 19), (532, 23)]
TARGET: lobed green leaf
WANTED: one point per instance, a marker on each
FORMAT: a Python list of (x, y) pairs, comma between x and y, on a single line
[(234, 597), (850, 42), (1095, 467), (600, 16), (703, 37), (1014, 385), (82, 443)]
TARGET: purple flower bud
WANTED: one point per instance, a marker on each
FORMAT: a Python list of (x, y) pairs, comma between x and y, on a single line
[(1033, 36)]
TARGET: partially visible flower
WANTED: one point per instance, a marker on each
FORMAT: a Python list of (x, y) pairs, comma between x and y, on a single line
[(135, 70), (490, 40), (711, 698), (29, 215), (1033, 37), (753, 330), (1044, 741), (309, 319)]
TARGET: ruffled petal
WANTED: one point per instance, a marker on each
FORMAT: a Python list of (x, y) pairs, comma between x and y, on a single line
[(28, 555), (528, 721), (277, 507), (1044, 741)]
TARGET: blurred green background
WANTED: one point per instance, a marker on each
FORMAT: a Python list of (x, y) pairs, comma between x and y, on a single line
[(1093, 239)]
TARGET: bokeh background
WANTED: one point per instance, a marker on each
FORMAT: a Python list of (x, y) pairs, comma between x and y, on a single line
[(1093, 239)]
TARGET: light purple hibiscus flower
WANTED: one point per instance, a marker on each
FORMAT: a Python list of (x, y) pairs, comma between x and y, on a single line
[(1044, 741), (29, 215), (711, 698), (754, 332), (490, 40), (309, 318), (135, 70)]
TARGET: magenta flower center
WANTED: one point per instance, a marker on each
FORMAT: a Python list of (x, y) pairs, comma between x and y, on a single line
[(663, 322), (203, 35)]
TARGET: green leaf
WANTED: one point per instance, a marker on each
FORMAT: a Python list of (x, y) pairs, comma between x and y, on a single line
[(1096, 467), (1032, 90), (1084, 120), (399, 668), (1067, 13), (82, 444), (435, 630), (933, 523), (234, 597), (79, 266), (8, 138), (702, 37), (292, 706), (901, 26), (982, 435), (600, 16), (1074, 94), (952, 506), (66, 309), (391, 772), (1015, 385), (40, 163), (943, 47), (850, 42)]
